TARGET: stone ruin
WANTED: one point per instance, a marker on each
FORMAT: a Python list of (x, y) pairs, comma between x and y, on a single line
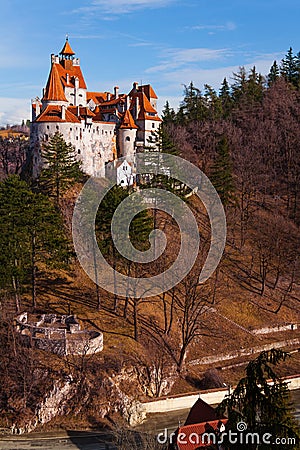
[(59, 334)]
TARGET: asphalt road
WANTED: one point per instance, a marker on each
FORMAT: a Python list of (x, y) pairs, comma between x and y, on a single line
[(60, 441)]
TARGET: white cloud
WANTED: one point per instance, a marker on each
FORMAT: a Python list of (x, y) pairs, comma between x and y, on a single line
[(175, 58), (14, 110), (228, 26), (123, 6)]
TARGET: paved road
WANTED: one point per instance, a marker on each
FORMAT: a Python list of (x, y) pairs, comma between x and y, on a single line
[(60, 441)]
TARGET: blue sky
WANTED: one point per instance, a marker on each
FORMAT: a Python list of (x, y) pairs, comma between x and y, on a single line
[(167, 43)]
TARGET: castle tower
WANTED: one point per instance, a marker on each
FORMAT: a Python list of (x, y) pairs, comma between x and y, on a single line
[(127, 136), (54, 92)]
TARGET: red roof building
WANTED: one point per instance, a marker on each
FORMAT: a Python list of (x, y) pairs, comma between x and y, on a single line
[(202, 429)]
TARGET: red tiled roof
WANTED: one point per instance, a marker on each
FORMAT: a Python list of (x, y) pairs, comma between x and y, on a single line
[(148, 90), (201, 412), (127, 121), (52, 113), (97, 97), (67, 50), (54, 89), (73, 71), (86, 112), (192, 437)]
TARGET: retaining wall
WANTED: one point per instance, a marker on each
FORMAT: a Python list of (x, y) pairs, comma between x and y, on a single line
[(212, 397)]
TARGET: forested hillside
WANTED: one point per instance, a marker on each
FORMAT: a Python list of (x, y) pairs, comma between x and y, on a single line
[(246, 138)]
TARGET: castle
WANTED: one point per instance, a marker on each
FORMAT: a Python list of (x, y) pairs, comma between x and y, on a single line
[(102, 126)]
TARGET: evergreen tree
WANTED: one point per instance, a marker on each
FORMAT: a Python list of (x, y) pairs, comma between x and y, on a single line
[(289, 69), (168, 114), (61, 169), (263, 405), (225, 97), (193, 105), (213, 103), (273, 74), (139, 230), (221, 173), (30, 230), (254, 87), (239, 85)]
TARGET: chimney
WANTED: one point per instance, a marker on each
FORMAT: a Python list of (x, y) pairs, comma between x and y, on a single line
[(136, 107), (135, 86), (116, 90), (76, 82), (37, 107), (63, 112), (127, 102), (108, 96), (68, 78)]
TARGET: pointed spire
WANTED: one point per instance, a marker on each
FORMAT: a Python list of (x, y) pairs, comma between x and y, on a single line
[(127, 121), (54, 90), (67, 50)]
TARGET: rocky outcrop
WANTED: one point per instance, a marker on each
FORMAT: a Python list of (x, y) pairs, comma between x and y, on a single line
[(57, 402)]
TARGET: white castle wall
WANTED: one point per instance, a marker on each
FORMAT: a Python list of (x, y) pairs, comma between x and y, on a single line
[(94, 145)]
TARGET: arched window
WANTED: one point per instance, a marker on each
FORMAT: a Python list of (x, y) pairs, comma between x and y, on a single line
[(127, 138)]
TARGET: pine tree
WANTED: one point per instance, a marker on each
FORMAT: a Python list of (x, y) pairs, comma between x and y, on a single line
[(225, 97), (289, 68), (254, 88), (61, 169), (213, 103), (30, 230), (262, 405), (193, 105), (139, 230), (168, 114), (221, 173), (239, 85), (274, 73)]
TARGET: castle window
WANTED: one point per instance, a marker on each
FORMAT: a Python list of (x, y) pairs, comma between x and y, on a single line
[(80, 95), (153, 125), (46, 137), (127, 138), (70, 129), (76, 138), (57, 127), (78, 151), (48, 127)]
